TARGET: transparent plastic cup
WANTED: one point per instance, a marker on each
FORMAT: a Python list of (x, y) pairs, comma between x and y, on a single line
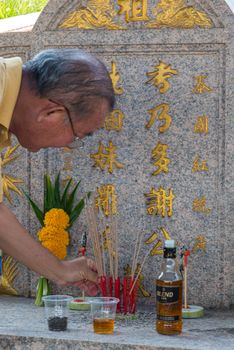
[(56, 311), (103, 310)]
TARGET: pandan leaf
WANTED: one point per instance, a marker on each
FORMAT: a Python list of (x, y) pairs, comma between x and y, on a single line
[(64, 196), (39, 301), (76, 211), (70, 200), (57, 191), (45, 287), (48, 194), (39, 214)]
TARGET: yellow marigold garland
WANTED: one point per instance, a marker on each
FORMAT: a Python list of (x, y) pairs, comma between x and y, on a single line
[(53, 235), (60, 211), (57, 249), (57, 218)]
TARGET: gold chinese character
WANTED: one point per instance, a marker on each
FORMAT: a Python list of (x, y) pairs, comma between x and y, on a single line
[(107, 242), (68, 163), (161, 111), (127, 272), (114, 121), (199, 205), (67, 167), (160, 76), (107, 199), (200, 244), (67, 150), (159, 153), (134, 10), (199, 166), (106, 238), (158, 246), (200, 86), (160, 202), (66, 180), (202, 125), (108, 159), (114, 75)]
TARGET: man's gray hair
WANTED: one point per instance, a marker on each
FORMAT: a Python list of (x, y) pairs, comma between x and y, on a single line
[(71, 77)]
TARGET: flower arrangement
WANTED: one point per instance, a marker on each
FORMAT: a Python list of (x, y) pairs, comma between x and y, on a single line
[(58, 215)]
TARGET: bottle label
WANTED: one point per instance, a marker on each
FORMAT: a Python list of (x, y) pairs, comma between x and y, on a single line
[(167, 295), (168, 318)]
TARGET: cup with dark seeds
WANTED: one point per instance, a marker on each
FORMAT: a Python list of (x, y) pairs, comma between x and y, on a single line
[(56, 311)]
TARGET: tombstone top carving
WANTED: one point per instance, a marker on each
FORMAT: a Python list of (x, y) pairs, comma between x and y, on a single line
[(114, 15)]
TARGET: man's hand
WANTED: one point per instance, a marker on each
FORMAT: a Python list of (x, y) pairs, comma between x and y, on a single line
[(82, 273)]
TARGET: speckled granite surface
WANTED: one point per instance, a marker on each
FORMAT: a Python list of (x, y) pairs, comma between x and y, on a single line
[(23, 327), (136, 50)]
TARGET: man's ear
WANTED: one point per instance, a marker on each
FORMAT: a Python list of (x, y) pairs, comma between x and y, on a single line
[(52, 113)]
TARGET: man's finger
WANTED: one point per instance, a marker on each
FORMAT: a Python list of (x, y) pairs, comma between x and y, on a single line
[(91, 264), (89, 287), (92, 276)]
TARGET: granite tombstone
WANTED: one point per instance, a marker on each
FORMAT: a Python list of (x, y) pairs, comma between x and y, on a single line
[(166, 152)]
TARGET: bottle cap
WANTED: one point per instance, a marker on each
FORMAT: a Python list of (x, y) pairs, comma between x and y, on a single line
[(169, 243)]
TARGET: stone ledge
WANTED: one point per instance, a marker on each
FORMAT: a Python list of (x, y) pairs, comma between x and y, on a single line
[(22, 326)]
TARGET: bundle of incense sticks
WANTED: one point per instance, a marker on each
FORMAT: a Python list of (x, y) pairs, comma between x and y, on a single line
[(106, 254)]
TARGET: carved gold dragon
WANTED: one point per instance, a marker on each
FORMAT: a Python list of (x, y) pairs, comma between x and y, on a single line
[(175, 14), (98, 14), (9, 273)]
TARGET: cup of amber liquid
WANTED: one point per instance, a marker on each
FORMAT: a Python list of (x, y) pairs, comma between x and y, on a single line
[(103, 310)]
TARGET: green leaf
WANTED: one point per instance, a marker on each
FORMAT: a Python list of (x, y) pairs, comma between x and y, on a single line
[(57, 191), (70, 200), (45, 290), (39, 214), (64, 196), (39, 301), (76, 211), (48, 194)]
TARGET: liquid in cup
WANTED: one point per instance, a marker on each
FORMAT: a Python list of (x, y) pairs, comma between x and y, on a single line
[(103, 310)]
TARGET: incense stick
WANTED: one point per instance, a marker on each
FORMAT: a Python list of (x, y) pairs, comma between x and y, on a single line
[(134, 256), (93, 232), (185, 288), (139, 243), (186, 255), (103, 249), (139, 272), (116, 249)]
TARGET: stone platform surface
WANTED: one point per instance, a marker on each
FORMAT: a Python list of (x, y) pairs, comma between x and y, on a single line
[(23, 327)]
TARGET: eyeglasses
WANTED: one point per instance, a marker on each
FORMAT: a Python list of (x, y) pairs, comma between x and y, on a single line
[(77, 142)]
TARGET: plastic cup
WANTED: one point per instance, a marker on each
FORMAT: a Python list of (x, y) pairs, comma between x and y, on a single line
[(56, 311), (103, 310)]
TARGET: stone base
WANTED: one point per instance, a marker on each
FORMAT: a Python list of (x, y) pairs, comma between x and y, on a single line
[(23, 326)]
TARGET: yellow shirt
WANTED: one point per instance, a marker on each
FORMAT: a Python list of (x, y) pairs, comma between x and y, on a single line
[(10, 80)]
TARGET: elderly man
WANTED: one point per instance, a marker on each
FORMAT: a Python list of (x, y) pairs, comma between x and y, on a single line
[(55, 98)]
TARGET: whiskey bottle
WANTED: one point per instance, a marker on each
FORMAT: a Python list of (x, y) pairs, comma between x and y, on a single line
[(169, 293)]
